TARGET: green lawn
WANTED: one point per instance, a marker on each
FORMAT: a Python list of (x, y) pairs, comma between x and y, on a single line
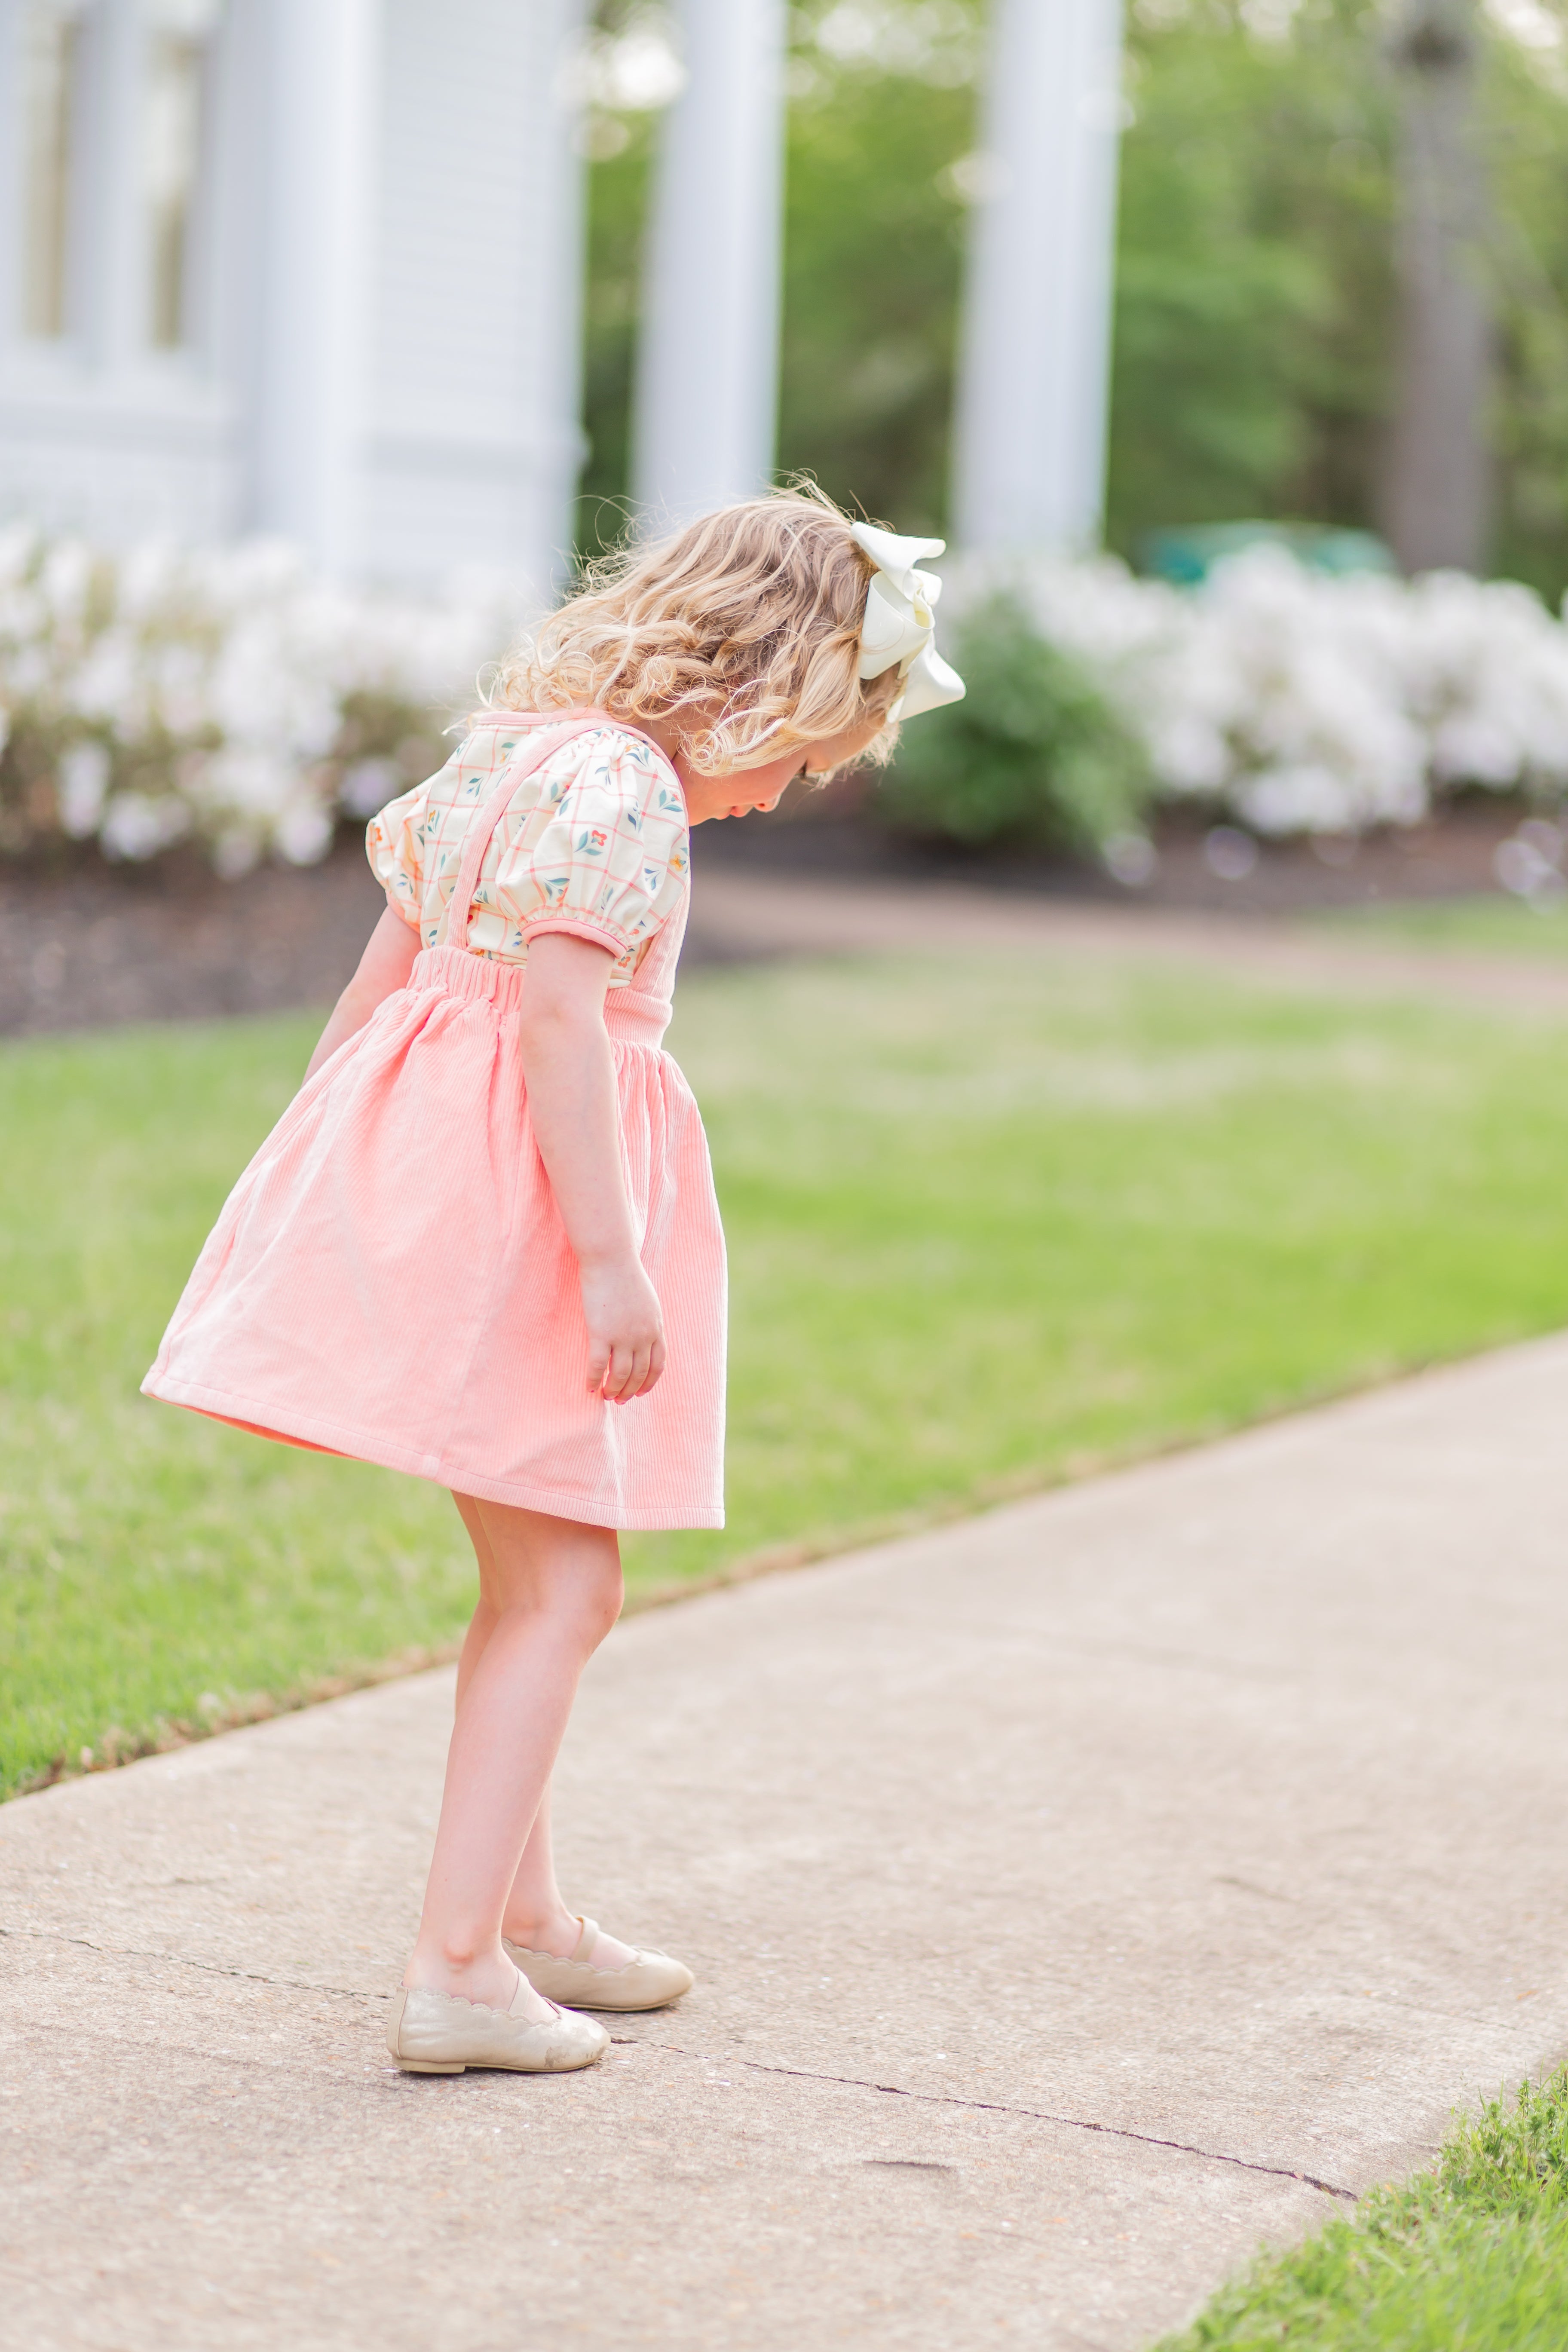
[(1489, 925), (1472, 2257), (992, 1221)]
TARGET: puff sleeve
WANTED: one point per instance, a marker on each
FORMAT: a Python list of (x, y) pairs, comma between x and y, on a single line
[(395, 844), (605, 856)]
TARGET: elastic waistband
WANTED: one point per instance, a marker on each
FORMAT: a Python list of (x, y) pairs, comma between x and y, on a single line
[(631, 1013)]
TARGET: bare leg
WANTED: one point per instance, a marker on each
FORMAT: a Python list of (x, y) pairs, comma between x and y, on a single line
[(550, 1590), (536, 1915), (482, 1623)]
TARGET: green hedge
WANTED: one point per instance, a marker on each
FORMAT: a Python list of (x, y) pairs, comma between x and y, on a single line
[(1033, 757)]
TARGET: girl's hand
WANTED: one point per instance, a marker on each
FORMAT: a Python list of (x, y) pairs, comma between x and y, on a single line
[(626, 1330), (570, 1073)]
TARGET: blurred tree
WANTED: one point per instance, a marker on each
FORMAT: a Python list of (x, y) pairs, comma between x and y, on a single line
[(1525, 136), (617, 201), (1254, 268), (881, 123), (630, 70), (881, 100), (1436, 491), (1256, 344), (1256, 302)]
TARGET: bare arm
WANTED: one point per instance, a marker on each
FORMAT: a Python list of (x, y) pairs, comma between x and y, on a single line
[(571, 1077), (383, 969)]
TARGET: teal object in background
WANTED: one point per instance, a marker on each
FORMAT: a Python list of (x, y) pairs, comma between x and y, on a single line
[(1186, 558)]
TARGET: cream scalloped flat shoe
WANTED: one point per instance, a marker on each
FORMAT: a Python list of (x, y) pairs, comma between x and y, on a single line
[(432, 2033), (646, 1981)]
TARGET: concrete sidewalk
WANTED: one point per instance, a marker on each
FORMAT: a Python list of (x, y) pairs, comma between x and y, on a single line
[(1078, 1896)]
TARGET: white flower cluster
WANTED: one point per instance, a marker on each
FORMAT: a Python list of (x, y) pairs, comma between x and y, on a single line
[(1301, 702), (229, 697), (223, 695)]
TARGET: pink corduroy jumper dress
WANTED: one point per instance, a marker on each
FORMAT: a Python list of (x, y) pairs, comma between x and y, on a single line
[(390, 1277)]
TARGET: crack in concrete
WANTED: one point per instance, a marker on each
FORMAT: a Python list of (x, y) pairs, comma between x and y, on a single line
[(752, 2066), (1002, 2107), (182, 1960)]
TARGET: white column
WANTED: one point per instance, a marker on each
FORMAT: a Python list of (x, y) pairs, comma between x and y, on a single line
[(320, 105), (1033, 374), (474, 437), (109, 265), (707, 391)]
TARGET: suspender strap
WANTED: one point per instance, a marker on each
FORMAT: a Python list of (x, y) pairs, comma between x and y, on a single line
[(552, 729)]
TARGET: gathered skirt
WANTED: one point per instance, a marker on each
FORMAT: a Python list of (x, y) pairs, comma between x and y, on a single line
[(390, 1278)]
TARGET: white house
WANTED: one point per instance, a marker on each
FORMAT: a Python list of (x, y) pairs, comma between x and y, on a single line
[(313, 267), (303, 266)]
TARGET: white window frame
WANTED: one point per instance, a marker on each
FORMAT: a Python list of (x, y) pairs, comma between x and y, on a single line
[(205, 22), (14, 199)]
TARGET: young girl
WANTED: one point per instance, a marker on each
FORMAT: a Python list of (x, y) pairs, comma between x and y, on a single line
[(482, 1244)]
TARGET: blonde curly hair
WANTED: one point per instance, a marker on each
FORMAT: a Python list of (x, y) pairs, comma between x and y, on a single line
[(744, 629)]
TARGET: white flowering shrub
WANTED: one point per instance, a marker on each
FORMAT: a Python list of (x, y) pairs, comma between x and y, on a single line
[(1301, 703), (227, 696), (222, 696)]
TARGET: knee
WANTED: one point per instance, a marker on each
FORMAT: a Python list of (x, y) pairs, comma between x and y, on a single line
[(585, 1602), (598, 1602)]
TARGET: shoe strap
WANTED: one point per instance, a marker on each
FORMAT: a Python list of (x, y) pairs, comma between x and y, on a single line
[(588, 1939), (522, 1987)]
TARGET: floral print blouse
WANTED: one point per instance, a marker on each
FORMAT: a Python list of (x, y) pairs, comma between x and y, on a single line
[(594, 844)]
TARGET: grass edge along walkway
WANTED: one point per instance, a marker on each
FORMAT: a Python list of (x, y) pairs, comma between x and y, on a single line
[(172, 1732), (996, 1225), (1471, 2256), (234, 1713)]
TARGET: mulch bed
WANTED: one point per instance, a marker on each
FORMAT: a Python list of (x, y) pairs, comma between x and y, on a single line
[(85, 945), (88, 944), (1449, 858)]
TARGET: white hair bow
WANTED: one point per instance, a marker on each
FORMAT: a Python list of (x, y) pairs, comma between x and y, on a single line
[(900, 625)]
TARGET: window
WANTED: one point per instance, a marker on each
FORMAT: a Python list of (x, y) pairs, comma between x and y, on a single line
[(175, 129), (50, 45)]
